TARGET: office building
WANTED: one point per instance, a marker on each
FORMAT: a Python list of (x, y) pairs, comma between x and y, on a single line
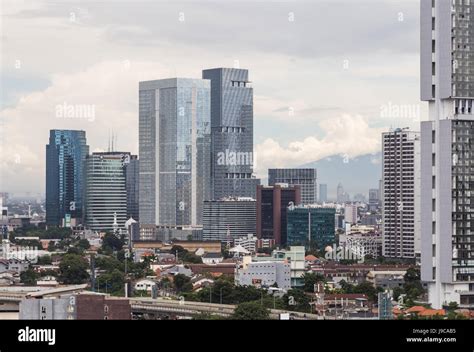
[(106, 191), (311, 226), (133, 187), (175, 151), (263, 274), (272, 204), (228, 219), (401, 197), (305, 178), (65, 157), (323, 193), (447, 84), (232, 133)]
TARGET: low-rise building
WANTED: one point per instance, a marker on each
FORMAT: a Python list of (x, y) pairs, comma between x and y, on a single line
[(212, 258), (263, 274)]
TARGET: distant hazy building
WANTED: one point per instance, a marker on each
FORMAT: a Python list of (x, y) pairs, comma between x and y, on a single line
[(374, 199), (342, 196), (401, 187), (350, 214), (272, 204), (229, 218), (65, 157), (175, 150), (106, 191), (447, 151), (305, 178), (312, 227), (323, 193), (232, 133)]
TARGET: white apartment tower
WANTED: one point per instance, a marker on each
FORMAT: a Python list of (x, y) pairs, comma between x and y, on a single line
[(447, 151), (401, 194)]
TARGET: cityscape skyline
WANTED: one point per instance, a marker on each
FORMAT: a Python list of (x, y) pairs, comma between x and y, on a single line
[(299, 118)]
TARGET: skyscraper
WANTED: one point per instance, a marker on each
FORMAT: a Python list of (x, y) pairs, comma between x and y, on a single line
[(175, 150), (306, 178), (232, 133), (323, 193), (272, 204), (401, 197), (133, 187), (447, 151), (65, 157), (106, 191), (229, 219)]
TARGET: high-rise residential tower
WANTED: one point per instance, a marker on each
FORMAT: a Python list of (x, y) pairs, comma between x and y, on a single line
[(447, 151), (232, 133), (306, 178), (401, 194), (175, 150), (65, 157)]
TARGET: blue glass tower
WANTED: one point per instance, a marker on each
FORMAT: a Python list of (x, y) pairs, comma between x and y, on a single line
[(65, 158)]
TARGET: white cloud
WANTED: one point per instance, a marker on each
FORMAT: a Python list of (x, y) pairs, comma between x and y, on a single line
[(346, 135)]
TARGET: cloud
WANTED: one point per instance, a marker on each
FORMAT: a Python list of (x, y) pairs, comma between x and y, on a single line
[(346, 135), (108, 90)]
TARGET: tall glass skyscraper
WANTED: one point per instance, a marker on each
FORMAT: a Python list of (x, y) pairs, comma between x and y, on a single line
[(65, 157), (106, 191), (447, 151), (175, 150), (232, 133), (306, 178)]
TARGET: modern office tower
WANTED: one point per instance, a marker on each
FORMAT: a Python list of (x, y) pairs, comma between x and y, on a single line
[(65, 157), (232, 133), (342, 196), (133, 187), (323, 193), (106, 191), (175, 151), (229, 218), (311, 226), (272, 204), (401, 187), (447, 151), (350, 214), (306, 178)]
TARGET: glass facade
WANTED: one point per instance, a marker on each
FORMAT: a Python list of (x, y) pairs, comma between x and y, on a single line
[(65, 157), (311, 227), (232, 133), (106, 191), (463, 200), (306, 178), (175, 151)]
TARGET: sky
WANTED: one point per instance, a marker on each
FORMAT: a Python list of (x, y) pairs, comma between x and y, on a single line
[(328, 76)]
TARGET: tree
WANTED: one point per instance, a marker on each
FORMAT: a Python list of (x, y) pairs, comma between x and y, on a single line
[(251, 311), (296, 300), (83, 244), (112, 282), (311, 279), (413, 287), (29, 277), (73, 269), (44, 260), (182, 283), (111, 243)]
